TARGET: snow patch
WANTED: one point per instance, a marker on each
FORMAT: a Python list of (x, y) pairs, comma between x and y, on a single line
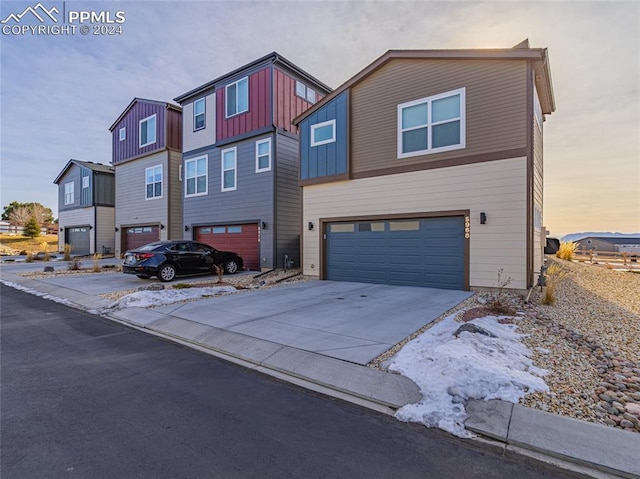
[(451, 370), (146, 299)]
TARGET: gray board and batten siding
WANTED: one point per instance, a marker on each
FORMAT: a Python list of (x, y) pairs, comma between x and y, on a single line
[(250, 202)]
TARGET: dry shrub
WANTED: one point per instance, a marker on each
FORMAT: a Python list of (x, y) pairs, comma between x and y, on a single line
[(567, 250), (75, 264), (554, 276), (45, 248), (219, 271), (96, 263), (29, 258), (498, 303), (67, 252)]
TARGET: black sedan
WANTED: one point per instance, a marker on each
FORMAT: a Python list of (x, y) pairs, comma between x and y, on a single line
[(168, 259)]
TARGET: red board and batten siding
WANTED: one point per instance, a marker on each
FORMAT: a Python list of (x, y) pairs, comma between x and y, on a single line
[(288, 105), (259, 114), (129, 147), (174, 129)]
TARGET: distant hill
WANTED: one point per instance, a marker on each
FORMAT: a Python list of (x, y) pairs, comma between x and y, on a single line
[(578, 236)]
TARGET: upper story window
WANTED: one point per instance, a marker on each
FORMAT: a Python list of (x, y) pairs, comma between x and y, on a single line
[(68, 193), (85, 182), (263, 155), (153, 182), (323, 133), (304, 92), (148, 131), (122, 133), (229, 169), (199, 114), (432, 124), (237, 97), (196, 176)]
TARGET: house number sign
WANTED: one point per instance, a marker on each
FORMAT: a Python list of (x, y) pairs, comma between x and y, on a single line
[(467, 227)]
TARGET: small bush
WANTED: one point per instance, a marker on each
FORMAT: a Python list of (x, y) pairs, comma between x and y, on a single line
[(67, 252), (219, 271), (96, 263), (45, 247), (29, 258), (182, 286), (498, 304), (554, 276), (75, 264), (566, 251)]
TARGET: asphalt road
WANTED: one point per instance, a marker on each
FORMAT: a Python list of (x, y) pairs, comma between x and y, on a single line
[(83, 397)]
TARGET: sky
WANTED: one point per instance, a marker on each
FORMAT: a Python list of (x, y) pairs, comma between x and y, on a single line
[(60, 93), (449, 369)]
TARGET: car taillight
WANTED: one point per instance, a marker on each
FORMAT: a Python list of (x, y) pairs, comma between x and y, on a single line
[(142, 256)]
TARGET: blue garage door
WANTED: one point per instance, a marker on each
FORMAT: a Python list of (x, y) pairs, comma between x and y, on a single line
[(414, 252)]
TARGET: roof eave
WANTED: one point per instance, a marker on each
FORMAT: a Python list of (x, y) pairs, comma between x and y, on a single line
[(531, 54)]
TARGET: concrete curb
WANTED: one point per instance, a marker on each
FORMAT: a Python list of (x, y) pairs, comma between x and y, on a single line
[(595, 446)]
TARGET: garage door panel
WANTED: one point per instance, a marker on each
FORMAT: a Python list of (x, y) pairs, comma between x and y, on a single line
[(79, 239), (426, 252), (241, 239), (137, 236)]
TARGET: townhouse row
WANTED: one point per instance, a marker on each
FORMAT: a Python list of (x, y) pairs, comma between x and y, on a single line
[(424, 169)]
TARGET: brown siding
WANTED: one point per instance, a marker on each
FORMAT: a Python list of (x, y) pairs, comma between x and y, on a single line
[(174, 129), (496, 108)]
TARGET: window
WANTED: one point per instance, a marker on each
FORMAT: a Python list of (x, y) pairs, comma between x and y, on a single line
[(432, 124), (323, 133), (85, 182), (234, 229), (148, 131), (153, 182), (68, 193), (238, 97), (198, 114), (342, 228), (123, 133), (404, 225), (217, 230), (229, 171), (196, 176), (305, 92), (263, 155)]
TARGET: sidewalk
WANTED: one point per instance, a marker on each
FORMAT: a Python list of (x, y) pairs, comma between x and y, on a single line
[(589, 449)]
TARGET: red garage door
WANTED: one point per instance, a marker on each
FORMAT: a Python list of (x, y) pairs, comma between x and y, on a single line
[(137, 236), (241, 239)]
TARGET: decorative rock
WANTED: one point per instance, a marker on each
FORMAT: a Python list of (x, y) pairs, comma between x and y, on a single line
[(626, 424), (633, 408), (152, 287), (48, 269), (472, 328)]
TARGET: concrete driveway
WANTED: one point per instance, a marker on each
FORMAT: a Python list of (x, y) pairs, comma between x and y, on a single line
[(354, 322)]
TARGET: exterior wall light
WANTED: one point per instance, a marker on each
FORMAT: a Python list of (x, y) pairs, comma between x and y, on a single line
[(483, 218), (310, 226)]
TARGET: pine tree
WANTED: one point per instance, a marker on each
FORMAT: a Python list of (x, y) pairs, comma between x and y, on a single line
[(32, 228)]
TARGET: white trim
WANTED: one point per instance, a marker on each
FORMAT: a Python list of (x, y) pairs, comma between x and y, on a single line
[(235, 169), (187, 177), (146, 197), (321, 125), (429, 125), (69, 193), (155, 131), (226, 105), (258, 143), (123, 133), (204, 113)]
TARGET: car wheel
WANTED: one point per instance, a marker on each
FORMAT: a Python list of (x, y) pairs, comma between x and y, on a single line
[(143, 276), (231, 267), (166, 273)]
